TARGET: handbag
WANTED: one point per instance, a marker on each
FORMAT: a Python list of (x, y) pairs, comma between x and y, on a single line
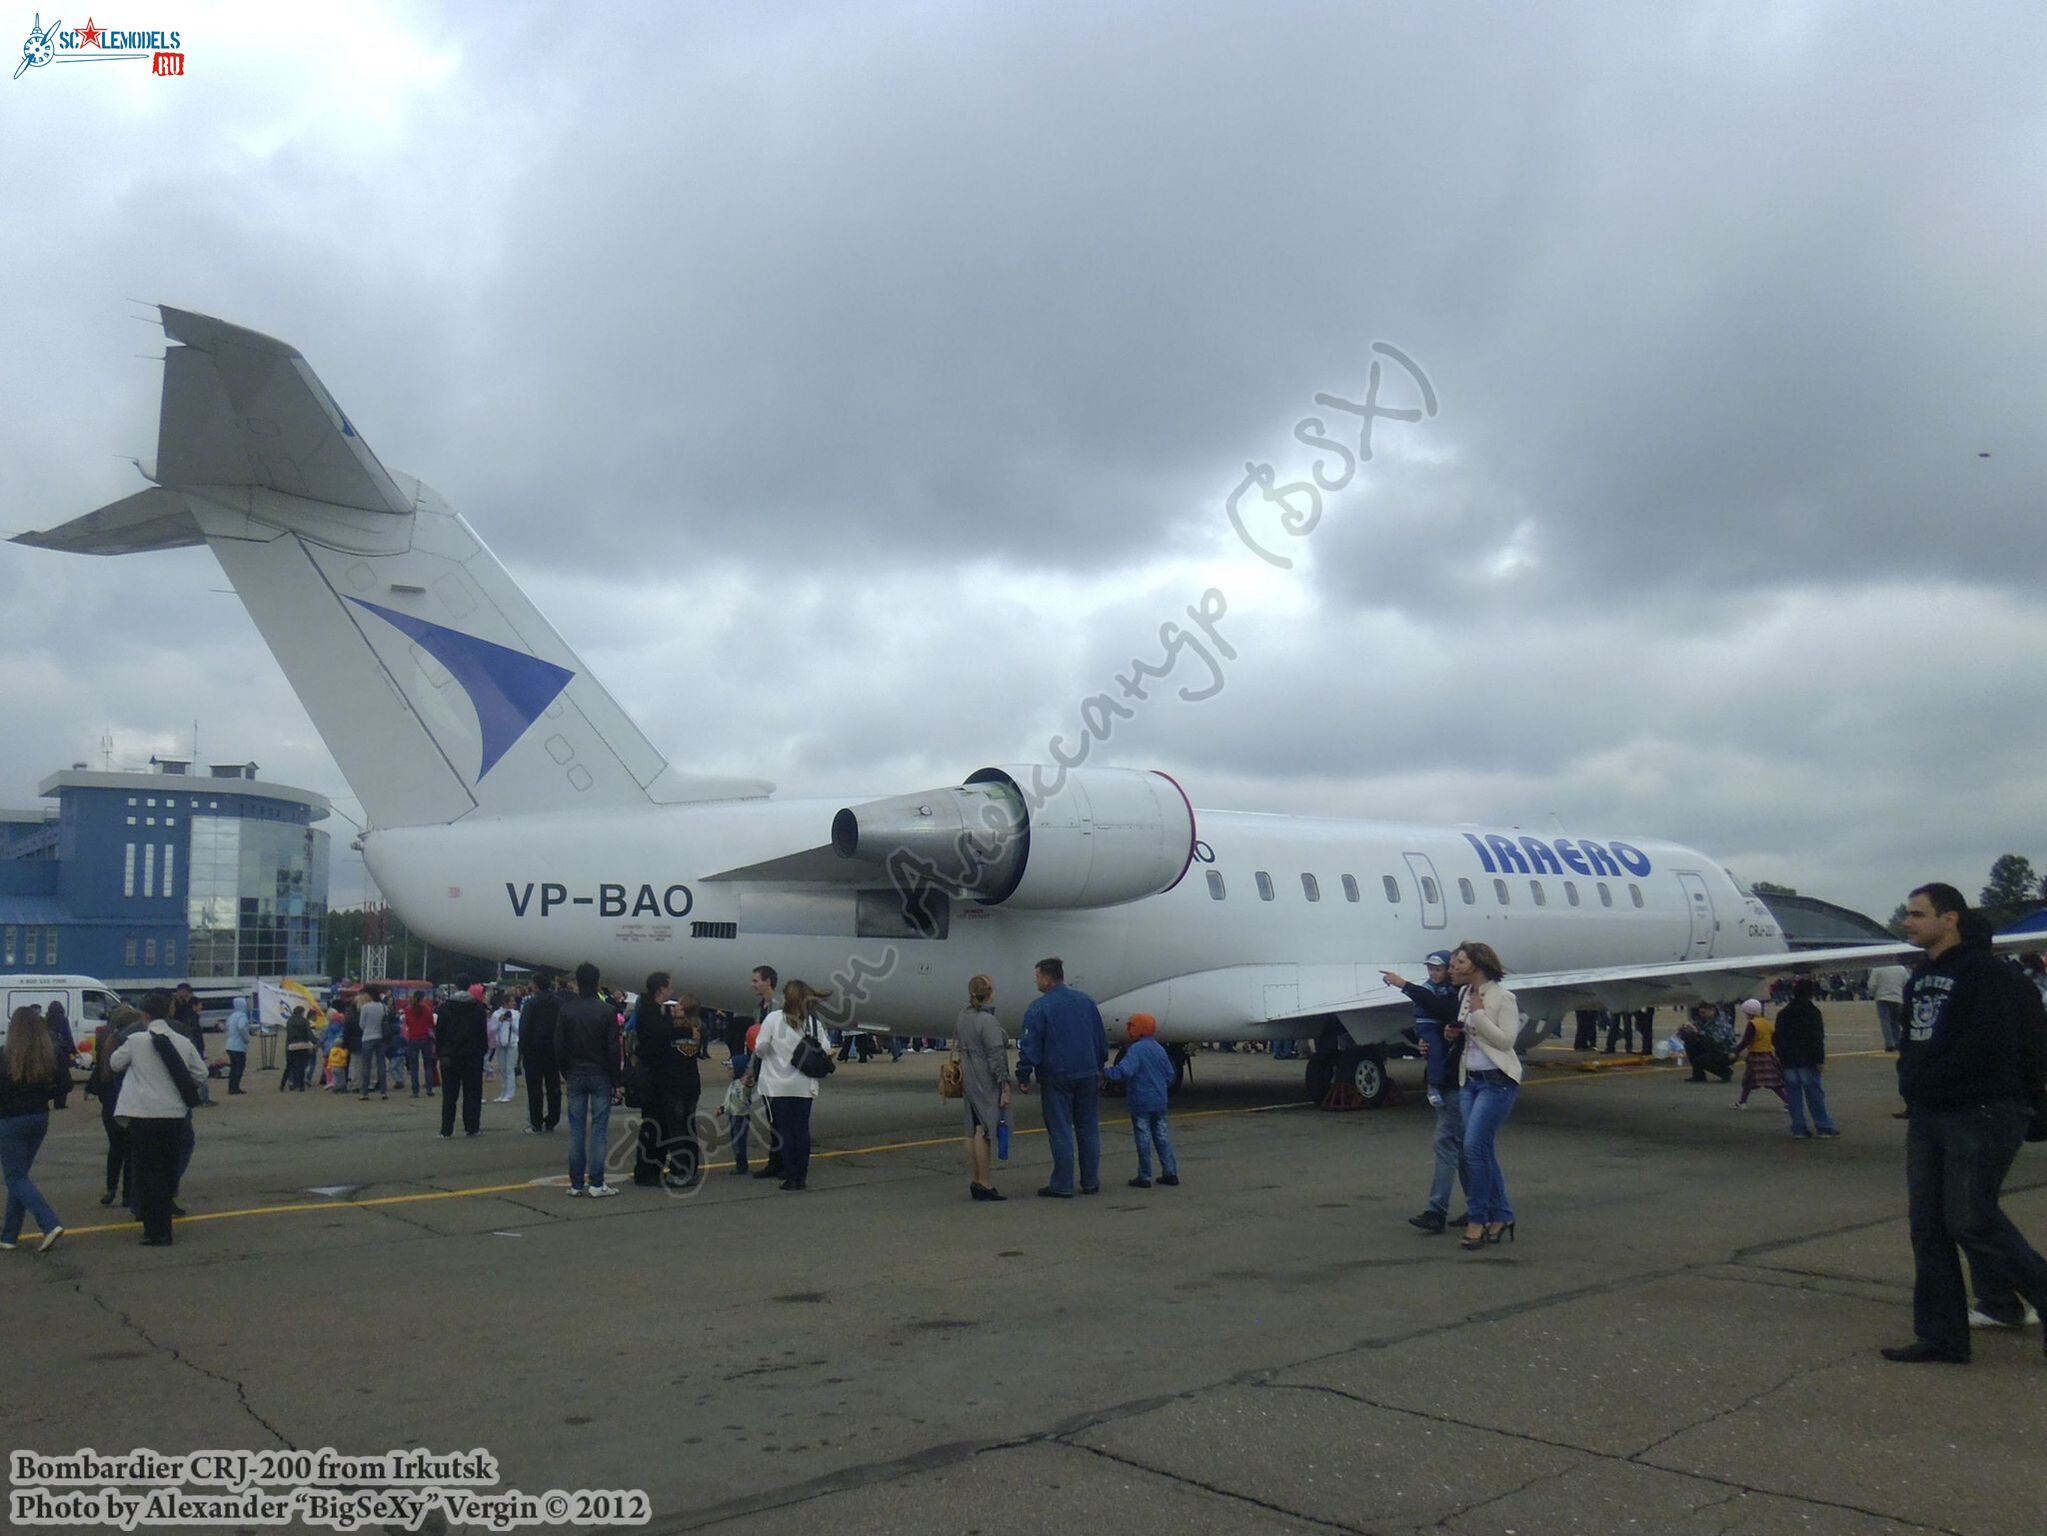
[(174, 1064), (810, 1058), (952, 1078)]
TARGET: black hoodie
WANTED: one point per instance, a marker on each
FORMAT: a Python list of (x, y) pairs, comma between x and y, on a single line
[(1960, 1044)]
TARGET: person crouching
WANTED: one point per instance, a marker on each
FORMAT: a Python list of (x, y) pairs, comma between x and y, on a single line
[(1148, 1071)]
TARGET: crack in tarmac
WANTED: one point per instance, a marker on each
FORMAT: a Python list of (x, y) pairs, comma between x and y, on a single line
[(127, 1320)]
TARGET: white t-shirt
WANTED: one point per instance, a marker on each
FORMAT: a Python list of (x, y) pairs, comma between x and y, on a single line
[(776, 1046)]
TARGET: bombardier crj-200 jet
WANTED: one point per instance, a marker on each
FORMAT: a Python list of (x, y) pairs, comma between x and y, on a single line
[(513, 809)]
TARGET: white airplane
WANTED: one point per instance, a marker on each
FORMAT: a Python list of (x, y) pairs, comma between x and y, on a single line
[(513, 809)]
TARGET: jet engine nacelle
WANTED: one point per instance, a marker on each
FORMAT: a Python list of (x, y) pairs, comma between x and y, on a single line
[(1031, 837)]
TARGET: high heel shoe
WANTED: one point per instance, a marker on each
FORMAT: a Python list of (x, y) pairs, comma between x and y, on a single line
[(1506, 1230), (1471, 1242)]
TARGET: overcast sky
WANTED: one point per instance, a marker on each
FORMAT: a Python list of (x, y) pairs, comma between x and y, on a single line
[(858, 388)]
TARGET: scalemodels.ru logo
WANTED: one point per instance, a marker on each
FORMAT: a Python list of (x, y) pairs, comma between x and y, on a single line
[(95, 44)]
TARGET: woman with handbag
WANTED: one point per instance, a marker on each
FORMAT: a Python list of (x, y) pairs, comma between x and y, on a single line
[(984, 1082), (1490, 1081), (791, 1059), (157, 1095)]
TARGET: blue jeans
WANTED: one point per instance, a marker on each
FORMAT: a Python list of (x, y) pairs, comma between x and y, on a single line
[(1149, 1130), (1802, 1087), (419, 1065), (1955, 1163), (790, 1116), (1488, 1100), (20, 1137), (589, 1127), (1073, 1113), (372, 1055), (1449, 1152)]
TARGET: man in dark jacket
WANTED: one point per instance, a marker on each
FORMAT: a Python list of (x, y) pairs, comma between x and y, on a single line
[(1064, 1043), (1436, 1032), (587, 1045), (461, 1041), (1801, 1053), (1960, 1074), (186, 1020), (537, 1021)]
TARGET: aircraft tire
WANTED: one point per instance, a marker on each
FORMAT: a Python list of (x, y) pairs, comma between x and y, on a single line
[(1321, 1073), (1365, 1070)]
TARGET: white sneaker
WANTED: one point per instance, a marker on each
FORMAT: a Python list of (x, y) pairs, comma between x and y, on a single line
[(577, 1189), (599, 1191), (50, 1241), (1985, 1320)]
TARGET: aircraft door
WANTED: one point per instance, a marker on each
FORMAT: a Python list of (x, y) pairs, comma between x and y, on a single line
[(1699, 906), (1434, 913)]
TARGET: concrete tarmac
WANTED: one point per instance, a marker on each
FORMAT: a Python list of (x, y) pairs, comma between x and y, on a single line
[(1681, 1338)]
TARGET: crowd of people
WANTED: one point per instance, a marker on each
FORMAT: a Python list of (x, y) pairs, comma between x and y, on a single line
[(1969, 1030)]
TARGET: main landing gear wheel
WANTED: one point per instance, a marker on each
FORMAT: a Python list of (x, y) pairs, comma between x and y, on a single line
[(1356, 1080)]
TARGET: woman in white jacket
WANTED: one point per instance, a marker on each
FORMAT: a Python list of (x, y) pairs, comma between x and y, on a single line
[(1490, 1075), (152, 1101), (789, 1093)]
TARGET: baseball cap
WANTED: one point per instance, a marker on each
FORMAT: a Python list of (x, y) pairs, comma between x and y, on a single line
[(1439, 957)]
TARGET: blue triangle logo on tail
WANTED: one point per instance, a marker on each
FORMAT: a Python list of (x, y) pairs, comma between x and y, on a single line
[(508, 688)]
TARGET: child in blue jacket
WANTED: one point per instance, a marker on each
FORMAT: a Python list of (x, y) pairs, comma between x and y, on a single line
[(1149, 1071)]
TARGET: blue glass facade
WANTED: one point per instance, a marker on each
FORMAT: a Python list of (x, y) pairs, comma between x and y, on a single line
[(163, 877)]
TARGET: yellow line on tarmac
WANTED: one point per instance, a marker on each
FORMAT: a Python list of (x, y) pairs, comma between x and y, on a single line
[(505, 1189)]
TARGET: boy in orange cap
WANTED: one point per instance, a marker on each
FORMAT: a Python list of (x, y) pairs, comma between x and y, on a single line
[(1148, 1071)]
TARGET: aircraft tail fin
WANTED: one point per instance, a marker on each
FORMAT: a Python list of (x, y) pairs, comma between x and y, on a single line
[(437, 685)]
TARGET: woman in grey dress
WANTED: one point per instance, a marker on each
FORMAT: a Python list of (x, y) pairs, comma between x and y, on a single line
[(984, 1070)]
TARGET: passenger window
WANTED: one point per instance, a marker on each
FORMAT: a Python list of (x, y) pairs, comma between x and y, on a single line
[(1605, 896), (1500, 891), (1215, 884), (1635, 893), (1350, 889), (1464, 889), (1264, 880), (1310, 889), (1431, 892), (1392, 888), (1535, 889), (1571, 892)]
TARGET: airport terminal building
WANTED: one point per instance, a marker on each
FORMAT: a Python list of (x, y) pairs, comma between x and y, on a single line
[(168, 875)]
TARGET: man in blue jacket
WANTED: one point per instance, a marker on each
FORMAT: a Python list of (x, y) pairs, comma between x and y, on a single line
[(1063, 1043), (1436, 1031)]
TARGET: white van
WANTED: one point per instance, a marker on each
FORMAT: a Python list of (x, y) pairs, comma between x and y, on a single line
[(88, 1002)]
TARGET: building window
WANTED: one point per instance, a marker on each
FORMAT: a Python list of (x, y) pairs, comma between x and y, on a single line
[(1464, 889), (1265, 891), (28, 953), (1392, 887), (50, 947), (128, 871), (149, 869), (170, 821), (1571, 892), (170, 860), (149, 821), (1215, 884), (1535, 889), (152, 801), (131, 819), (1635, 894), (1605, 896), (1500, 891), (131, 799), (170, 952), (128, 952), (1310, 889), (1350, 889), (149, 951), (7, 944)]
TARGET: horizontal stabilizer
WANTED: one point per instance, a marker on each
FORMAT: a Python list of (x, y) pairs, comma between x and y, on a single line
[(151, 519), (240, 408)]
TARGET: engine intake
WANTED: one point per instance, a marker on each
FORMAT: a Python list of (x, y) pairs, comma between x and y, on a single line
[(1031, 837)]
